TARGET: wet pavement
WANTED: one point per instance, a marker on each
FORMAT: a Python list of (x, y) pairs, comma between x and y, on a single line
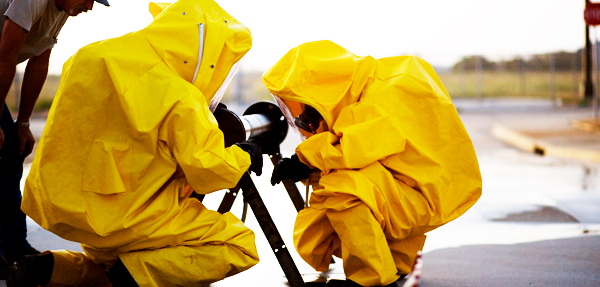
[(536, 224)]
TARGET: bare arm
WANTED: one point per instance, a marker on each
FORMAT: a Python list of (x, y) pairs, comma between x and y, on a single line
[(33, 81), (13, 37)]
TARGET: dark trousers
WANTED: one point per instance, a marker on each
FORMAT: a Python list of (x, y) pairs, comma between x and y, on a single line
[(13, 229)]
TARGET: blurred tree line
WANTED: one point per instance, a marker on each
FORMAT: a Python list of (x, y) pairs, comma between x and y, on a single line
[(562, 61)]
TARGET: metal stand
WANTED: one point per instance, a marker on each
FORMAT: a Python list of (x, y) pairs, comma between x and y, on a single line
[(290, 187), (264, 124), (267, 225), (252, 197)]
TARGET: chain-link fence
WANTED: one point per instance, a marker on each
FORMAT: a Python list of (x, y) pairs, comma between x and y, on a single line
[(557, 77)]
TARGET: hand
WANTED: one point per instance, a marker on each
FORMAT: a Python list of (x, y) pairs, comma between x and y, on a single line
[(26, 140), (255, 156), (290, 168)]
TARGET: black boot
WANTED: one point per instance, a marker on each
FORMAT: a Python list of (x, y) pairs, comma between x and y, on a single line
[(119, 276), (32, 270), (6, 269)]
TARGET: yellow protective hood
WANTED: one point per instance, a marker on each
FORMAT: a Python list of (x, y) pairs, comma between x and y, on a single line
[(392, 110), (320, 74), (198, 40)]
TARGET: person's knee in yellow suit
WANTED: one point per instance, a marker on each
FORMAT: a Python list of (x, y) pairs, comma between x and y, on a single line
[(130, 135), (385, 151)]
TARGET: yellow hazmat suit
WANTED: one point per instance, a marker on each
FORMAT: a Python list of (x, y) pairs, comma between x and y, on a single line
[(395, 158), (129, 128)]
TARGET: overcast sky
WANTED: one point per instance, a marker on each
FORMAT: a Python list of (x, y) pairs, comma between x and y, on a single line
[(440, 31)]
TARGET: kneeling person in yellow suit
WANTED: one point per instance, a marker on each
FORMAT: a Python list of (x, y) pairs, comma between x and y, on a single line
[(394, 160), (129, 136)]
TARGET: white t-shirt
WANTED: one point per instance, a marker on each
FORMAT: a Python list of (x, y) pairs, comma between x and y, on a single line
[(41, 18)]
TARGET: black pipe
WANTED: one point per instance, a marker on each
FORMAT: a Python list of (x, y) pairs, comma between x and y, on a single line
[(263, 123)]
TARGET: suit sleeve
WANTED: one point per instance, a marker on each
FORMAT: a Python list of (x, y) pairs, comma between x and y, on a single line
[(197, 144), (362, 134)]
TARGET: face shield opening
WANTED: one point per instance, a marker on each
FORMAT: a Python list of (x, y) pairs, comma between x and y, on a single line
[(304, 119), (221, 91), (309, 120)]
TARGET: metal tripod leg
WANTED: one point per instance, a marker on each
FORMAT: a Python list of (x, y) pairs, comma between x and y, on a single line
[(292, 190), (267, 225), (228, 199)]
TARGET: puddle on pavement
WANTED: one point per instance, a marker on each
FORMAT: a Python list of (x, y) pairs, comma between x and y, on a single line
[(543, 214), (521, 187)]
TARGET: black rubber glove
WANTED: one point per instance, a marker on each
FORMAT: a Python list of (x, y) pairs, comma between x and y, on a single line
[(256, 160), (290, 168)]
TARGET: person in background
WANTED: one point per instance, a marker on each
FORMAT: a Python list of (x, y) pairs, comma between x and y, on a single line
[(28, 31), (129, 137), (392, 159)]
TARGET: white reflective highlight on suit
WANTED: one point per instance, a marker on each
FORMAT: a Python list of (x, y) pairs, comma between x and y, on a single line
[(221, 91), (200, 49)]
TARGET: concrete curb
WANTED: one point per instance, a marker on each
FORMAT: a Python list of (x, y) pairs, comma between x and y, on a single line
[(528, 144), (590, 126)]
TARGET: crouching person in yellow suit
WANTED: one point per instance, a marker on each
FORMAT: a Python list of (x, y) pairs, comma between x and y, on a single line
[(129, 131), (394, 158)]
